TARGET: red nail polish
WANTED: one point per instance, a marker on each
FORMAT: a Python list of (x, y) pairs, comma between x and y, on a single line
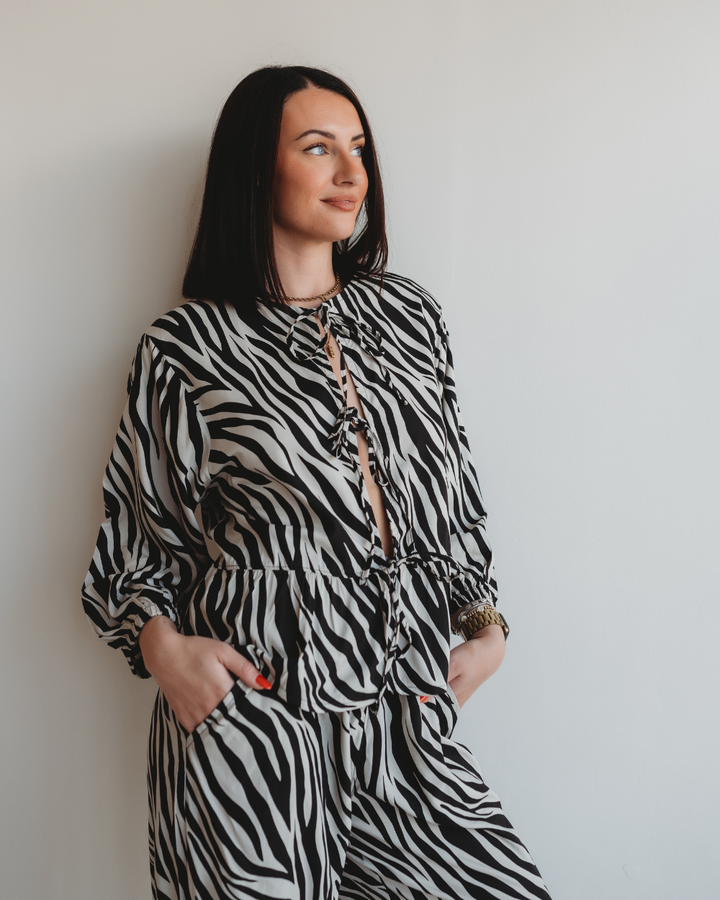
[(262, 682), (424, 698)]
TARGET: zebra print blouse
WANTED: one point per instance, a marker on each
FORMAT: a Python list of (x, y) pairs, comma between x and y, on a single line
[(235, 502)]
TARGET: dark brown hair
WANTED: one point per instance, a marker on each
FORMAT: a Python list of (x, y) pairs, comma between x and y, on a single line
[(233, 257)]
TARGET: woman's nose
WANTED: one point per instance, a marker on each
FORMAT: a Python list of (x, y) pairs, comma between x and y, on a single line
[(350, 170)]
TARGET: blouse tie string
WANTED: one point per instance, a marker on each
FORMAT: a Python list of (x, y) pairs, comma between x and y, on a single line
[(347, 420), (398, 639), (304, 340)]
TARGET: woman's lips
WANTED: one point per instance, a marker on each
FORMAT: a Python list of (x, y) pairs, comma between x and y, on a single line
[(347, 204)]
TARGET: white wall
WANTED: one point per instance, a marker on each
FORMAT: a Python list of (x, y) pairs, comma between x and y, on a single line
[(552, 175)]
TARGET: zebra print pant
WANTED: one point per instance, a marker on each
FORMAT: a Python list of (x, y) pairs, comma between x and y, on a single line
[(265, 800)]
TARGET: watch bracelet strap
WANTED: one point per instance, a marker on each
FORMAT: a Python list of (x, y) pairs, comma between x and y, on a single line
[(478, 619)]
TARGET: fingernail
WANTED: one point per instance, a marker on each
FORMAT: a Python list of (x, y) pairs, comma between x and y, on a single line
[(262, 682), (424, 698)]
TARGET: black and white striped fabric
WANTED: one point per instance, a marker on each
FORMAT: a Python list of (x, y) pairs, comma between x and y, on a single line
[(236, 506), (265, 799)]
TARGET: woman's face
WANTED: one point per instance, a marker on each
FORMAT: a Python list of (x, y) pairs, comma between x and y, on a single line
[(320, 180)]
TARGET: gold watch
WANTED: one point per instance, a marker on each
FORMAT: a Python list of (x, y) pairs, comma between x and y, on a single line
[(477, 615)]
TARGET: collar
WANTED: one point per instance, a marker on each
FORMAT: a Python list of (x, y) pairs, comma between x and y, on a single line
[(303, 335), (304, 340)]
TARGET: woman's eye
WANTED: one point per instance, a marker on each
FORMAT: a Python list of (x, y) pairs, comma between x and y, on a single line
[(357, 151), (317, 150)]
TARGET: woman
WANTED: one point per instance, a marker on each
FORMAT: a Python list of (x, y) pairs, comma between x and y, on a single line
[(293, 523)]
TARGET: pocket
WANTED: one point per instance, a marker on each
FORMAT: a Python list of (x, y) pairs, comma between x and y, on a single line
[(441, 713), (228, 703)]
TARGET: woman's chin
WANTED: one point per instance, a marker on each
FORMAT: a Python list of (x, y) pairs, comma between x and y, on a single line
[(338, 232), (329, 235)]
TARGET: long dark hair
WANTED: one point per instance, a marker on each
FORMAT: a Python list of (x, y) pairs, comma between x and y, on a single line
[(233, 257)]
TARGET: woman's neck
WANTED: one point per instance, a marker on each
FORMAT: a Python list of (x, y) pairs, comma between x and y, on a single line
[(305, 271)]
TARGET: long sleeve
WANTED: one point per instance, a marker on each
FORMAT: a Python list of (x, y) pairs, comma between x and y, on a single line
[(150, 551), (469, 543)]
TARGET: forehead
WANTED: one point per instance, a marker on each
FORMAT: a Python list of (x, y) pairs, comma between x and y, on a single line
[(317, 108)]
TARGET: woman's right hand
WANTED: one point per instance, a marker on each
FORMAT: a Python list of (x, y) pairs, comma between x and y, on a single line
[(193, 672)]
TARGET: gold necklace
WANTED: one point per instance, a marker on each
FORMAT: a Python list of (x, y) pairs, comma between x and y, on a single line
[(321, 297)]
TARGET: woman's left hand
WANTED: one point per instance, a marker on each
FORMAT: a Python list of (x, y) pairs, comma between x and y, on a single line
[(474, 661)]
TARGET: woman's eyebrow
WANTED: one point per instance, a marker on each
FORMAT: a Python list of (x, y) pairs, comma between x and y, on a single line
[(328, 134)]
